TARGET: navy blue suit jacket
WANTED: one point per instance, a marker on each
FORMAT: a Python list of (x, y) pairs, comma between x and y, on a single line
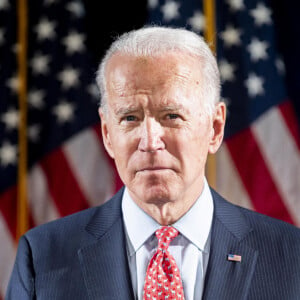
[(83, 256)]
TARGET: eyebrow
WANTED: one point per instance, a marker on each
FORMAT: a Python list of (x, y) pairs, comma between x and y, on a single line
[(126, 110), (167, 108), (177, 107)]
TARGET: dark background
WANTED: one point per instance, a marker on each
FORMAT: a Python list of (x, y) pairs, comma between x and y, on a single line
[(104, 22)]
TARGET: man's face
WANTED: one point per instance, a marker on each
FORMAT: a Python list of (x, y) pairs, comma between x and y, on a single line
[(156, 127)]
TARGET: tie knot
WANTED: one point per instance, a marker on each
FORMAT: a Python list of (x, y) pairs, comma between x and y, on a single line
[(165, 235)]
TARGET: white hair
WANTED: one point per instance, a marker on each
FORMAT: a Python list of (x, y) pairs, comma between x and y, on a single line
[(157, 41)]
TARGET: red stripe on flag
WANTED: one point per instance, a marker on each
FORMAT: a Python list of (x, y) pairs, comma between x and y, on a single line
[(256, 176), (8, 207), (288, 113), (118, 182), (63, 187)]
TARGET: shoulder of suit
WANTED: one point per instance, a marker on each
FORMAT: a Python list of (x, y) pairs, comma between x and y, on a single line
[(271, 225), (261, 224), (75, 222)]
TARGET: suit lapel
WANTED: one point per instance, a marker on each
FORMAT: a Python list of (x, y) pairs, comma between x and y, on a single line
[(105, 266), (104, 260), (229, 279)]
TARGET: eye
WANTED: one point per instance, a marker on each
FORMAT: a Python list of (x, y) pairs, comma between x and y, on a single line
[(173, 116), (130, 118)]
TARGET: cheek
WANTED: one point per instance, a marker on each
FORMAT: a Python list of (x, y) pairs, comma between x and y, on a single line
[(124, 151), (193, 149)]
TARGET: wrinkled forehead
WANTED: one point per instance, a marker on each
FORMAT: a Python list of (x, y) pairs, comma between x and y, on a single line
[(168, 59), (126, 72)]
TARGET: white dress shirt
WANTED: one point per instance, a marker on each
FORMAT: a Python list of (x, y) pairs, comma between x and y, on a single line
[(190, 248)]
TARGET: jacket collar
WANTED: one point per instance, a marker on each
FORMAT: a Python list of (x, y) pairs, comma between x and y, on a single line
[(105, 266), (104, 260), (229, 279)]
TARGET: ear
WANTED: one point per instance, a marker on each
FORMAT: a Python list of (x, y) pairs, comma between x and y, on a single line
[(105, 133), (217, 128)]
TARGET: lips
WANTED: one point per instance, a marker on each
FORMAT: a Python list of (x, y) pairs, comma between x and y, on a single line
[(156, 168)]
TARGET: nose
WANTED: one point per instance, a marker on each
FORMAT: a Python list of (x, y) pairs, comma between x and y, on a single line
[(151, 136)]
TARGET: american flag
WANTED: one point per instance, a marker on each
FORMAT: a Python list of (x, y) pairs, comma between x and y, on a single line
[(258, 165), (68, 169), (234, 257)]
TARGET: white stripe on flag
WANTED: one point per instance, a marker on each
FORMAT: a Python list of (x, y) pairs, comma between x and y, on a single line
[(7, 255), (42, 205), (90, 166), (282, 158), (229, 183)]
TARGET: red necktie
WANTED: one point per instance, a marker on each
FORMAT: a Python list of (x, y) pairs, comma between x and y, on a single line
[(162, 279)]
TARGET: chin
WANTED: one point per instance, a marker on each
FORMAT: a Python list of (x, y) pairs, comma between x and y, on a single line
[(155, 194), (154, 188)]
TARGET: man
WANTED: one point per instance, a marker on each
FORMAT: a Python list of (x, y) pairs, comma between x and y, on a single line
[(166, 235)]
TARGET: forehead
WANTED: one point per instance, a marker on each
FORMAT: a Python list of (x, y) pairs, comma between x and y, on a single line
[(126, 72)]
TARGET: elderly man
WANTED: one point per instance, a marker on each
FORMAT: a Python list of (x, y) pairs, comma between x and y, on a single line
[(166, 234)]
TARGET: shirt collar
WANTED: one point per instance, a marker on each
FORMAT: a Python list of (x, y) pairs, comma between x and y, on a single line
[(139, 225), (194, 225)]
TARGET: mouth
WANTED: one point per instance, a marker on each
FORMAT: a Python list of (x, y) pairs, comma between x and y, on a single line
[(153, 169)]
